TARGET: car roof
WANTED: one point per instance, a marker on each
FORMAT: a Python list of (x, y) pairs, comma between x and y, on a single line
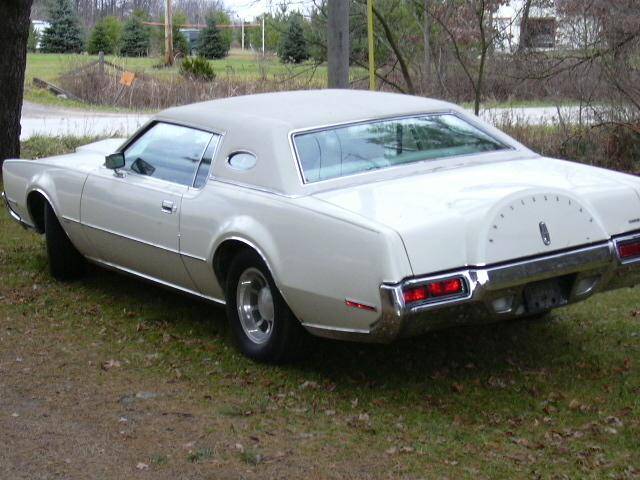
[(299, 109)]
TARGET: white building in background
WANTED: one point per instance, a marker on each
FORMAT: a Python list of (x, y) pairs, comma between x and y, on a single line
[(548, 29), (40, 26), (543, 23)]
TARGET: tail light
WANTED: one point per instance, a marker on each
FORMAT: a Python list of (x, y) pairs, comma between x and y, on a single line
[(440, 289), (629, 250)]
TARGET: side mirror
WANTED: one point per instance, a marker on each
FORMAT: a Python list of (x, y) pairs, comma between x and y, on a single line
[(114, 161)]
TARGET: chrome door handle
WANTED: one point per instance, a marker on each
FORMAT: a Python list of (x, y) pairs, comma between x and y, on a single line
[(168, 206)]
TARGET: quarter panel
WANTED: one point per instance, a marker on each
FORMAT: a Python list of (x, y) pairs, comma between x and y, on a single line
[(317, 257)]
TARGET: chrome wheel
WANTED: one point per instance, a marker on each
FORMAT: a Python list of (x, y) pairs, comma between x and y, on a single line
[(255, 305)]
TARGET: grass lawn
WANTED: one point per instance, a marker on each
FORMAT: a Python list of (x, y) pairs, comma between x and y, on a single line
[(239, 65), (558, 398)]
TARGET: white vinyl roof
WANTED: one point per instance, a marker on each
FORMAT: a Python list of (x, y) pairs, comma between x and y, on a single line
[(262, 125), (300, 109)]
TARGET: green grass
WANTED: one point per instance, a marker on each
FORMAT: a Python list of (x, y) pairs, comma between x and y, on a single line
[(241, 66), (548, 399)]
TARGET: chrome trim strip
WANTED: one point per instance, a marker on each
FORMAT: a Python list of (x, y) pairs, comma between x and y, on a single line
[(334, 126), (113, 266), (128, 237), (195, 257), (315, 326)]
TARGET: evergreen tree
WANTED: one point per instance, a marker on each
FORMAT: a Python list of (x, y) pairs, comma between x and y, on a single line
[(32, 42), (64, 34), (293, 48), (113, 26), (99, 41), (135, 38), (211, 43)]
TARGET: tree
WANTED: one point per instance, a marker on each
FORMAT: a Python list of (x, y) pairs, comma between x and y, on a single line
[(211, 43), (293, 48), (113, 27), (99, 41), (64, 34), (14, 35), (135, 38), (34, 36)]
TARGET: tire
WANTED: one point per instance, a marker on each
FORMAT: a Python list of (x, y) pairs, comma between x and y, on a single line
[(269, 332), (65, 262)]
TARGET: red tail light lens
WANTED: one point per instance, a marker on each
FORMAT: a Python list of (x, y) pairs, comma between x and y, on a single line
[(443, 288), (629, 250)]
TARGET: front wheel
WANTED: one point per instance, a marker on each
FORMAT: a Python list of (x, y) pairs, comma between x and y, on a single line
[(263, 326), (65, 262)]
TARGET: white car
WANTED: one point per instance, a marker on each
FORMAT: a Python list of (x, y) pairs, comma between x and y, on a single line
[(347, 214)]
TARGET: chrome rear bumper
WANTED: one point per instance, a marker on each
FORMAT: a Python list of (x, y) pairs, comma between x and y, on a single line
[(496, 292)]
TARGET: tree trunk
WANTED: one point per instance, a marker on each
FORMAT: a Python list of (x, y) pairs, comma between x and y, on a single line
[(524, 41), (14, 32)]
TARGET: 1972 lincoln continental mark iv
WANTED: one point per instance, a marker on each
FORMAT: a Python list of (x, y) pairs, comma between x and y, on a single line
[(347, 214)]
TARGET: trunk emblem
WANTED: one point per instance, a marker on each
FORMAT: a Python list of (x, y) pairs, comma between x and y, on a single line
[(544, 233)]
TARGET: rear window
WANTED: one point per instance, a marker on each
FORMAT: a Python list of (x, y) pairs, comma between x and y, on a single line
[(347, 150)]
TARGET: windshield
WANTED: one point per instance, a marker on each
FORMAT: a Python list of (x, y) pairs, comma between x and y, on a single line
[(346, 150)]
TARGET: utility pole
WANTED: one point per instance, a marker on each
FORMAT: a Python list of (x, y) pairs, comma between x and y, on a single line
[(168, 33), (338, 43), (263, 15), (243, 35), (372, 52)]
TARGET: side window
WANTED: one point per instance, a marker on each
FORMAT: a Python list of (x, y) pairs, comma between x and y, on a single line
[(242, 160), (168, 152), (205, 164)]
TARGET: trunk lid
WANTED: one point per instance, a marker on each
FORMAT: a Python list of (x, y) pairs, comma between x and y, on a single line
[(490, 213)]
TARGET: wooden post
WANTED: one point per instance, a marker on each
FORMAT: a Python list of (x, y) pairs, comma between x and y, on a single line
[(263, 33), (243, 35), (168, 33), (101, 62), (338, 43), (372, 54)]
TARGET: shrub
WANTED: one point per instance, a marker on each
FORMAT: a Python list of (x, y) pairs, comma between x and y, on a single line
[(293, 48), (135, 38), (211, 42), (64, 34), (99, 40), (113, 26), (197, 68)]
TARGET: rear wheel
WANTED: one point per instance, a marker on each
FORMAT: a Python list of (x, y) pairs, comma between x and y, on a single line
[(262, 325), (65, 262)]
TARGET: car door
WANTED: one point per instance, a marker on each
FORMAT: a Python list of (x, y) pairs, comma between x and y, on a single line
[(132, 215)]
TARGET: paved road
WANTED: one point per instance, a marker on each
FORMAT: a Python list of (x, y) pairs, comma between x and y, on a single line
[(55, 121)]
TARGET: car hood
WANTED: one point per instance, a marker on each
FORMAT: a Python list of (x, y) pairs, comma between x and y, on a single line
[(489, 213)]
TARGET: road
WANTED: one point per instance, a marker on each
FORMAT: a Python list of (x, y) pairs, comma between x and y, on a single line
[(55, 121)]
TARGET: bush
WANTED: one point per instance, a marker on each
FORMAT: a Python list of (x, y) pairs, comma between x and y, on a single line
[(64, 34), (135, 38), (99, 41), (211, 43), (197, 68), (294, 46)]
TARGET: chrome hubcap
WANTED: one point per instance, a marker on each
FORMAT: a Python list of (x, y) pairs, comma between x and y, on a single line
[(255, 305)]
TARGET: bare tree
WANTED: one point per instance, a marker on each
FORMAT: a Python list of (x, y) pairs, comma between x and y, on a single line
[(14, 33)]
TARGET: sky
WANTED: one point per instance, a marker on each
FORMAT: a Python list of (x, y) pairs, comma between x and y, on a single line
[(249, 9)]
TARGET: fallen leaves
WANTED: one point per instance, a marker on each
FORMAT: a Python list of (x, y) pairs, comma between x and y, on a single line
[(109, 364)]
